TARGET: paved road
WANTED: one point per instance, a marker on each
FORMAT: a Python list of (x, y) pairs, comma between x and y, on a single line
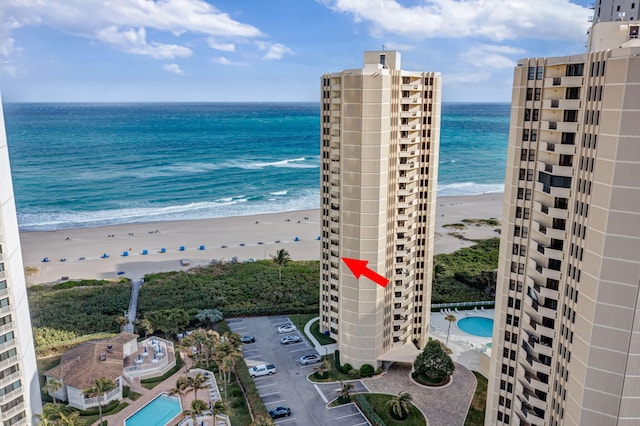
[(289, 387)]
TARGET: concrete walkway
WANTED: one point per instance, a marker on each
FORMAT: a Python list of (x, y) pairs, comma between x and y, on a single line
[(320, 349), (444, 406)]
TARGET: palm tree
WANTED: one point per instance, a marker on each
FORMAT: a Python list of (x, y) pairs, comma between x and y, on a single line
[(198, 406), (344, 393), (100, 388), (51, 386), (280, 258), (399, 404), (181, 387), (321, 369), (451, 318), (218, 407), (197, 382)]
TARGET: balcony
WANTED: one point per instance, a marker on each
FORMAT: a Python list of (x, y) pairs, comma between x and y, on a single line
[(559, 148), (410, 112), (560, 126), (563, 81), (561, 103), (410, 100), (417, 86)]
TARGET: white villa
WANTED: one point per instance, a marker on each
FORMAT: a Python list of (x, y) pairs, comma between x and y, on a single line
[(121, 359)]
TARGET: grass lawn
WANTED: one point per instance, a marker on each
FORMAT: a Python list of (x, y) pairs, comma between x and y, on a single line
[(300, 320), (378, 402), (475, 416)]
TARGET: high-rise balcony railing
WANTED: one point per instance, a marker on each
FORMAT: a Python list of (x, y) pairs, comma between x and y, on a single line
[(563, 81), (559, 148), (561, 104)]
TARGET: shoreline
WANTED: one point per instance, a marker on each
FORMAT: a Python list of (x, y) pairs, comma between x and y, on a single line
[(244, 237)]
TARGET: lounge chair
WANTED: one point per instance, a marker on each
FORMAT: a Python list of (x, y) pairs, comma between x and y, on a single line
[(482, 308)]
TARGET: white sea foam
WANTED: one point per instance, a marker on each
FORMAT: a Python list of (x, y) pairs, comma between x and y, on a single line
[(469, 188), (279, 192), (232, 206)]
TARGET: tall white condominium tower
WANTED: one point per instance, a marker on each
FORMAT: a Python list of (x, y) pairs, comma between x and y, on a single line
[(19, 388), (566, 339), (615, 10), (380, 137)]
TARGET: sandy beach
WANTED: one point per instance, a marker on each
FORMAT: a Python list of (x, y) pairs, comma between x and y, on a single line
[(243, 237)]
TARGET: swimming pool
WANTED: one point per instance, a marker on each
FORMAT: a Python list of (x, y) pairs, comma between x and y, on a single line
[(158, 412), (478, 326)]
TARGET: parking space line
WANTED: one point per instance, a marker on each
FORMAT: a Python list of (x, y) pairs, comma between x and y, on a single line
[(299, 350), (346, 415), (264, 386), (360, 424), (267, 394), (285, 420), (324, 398), (276, 402)]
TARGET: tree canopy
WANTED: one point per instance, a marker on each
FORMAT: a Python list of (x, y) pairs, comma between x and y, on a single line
[(433, 362)]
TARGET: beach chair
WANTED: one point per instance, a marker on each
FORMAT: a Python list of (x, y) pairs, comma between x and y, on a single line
[(475, 309), (181, 248), (482, 308), (457, 311)]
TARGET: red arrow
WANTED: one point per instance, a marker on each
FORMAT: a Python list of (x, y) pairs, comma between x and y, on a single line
[(359, 267)]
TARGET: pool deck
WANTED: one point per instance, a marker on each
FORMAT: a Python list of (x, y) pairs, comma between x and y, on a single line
[(148, 395), (467, 348)]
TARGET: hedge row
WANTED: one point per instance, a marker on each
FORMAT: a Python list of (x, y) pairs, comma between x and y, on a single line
[(368, 412)]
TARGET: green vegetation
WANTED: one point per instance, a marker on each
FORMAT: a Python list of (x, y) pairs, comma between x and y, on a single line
[(300, 320), (454, 225), (336, 372), (238, 410), (479, 222), (433, 366), (374, 407), (475, 416), (467, 275), (65, 314), (236, 289), (322, 338)]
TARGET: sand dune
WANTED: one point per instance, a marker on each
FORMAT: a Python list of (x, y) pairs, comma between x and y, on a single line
[(245, 237)]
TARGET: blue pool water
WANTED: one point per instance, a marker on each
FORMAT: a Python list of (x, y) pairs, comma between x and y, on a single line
[(156, 413), (478, 326)]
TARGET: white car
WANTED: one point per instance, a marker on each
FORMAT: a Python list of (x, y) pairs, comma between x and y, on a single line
[(309, 359), (290, 339), (287, 328)]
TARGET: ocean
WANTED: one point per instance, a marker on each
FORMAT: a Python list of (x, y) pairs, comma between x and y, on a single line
[(81, 165)]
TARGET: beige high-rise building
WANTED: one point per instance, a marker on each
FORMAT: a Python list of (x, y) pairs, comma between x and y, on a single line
[(615, 10), (380, 136), (566, 345), (19, 387)]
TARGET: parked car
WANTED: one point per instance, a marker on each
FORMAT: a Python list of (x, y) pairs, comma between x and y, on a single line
[(310, 359), (248, 339), (262, 370), (290, 339), (280, 412), (287, 328)]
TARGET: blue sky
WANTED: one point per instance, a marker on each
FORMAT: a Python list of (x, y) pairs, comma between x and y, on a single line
[(268, 50)]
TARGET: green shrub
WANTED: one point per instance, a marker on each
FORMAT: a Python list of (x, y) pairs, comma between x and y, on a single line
[(346, 368), (367, 410), (367, 370)]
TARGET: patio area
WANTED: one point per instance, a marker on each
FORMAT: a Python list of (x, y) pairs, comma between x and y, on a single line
[(154, 357)]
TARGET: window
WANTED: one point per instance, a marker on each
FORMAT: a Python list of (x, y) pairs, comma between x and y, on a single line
[(532, 73), (539, 73), (536, 114), (525, 135), (529, 94), (527, 114), (538, 92)]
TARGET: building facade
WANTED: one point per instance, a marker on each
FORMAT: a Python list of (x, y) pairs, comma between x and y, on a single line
[(566, 345), (380, 131), (616, 10), (19, 387)]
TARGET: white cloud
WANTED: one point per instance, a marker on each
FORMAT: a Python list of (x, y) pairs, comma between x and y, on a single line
[(492, 19), (132, 41), (274, 50), (225, 47), (173, 68), (492, 56), (225, 61), (123, 23)]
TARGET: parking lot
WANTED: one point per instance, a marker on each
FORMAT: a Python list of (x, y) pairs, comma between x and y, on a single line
[(289, 387)]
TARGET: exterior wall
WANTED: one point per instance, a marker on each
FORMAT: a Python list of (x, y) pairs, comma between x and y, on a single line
[(380, 135), (566, 340), (77, 399), (17, 348), (616, 10)]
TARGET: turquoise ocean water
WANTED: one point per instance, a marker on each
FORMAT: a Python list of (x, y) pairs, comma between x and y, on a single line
[(77, 165)]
